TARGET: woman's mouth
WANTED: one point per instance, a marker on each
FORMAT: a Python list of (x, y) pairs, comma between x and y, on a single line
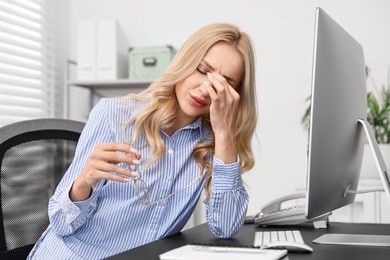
[(198, 102)]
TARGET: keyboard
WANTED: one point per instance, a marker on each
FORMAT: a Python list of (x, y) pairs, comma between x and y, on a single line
[(265, 237), (291, 240)]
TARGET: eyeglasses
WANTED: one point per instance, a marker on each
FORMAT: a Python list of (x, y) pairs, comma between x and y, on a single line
[(143, 194)]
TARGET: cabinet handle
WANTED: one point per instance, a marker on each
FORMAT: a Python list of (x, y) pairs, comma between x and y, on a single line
[(149, 61)]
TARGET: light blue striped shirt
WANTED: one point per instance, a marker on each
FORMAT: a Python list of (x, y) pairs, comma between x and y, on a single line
[(112, 219)]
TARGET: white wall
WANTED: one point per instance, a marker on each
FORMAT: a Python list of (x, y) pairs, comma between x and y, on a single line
[(282, 31)]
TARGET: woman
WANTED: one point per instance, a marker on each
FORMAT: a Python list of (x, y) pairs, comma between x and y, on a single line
[(143, 160)]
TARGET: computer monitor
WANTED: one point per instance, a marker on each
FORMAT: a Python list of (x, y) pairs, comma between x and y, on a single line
[(338, 126)]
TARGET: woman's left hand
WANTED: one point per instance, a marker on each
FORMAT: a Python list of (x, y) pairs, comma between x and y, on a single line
[(224, 104), (223, 114)]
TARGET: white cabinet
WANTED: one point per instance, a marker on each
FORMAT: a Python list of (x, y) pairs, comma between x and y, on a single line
[(99, 89)]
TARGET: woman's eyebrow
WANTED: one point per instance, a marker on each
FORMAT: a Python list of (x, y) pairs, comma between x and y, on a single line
[(208, 65), (212, 69)]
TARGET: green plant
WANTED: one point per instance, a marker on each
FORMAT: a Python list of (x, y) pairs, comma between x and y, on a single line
[(378, 114)]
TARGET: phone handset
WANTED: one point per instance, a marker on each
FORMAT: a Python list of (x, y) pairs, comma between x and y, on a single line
[(275, 205), (272, 213)]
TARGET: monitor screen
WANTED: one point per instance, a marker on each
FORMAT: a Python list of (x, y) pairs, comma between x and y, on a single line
[(338, 101)]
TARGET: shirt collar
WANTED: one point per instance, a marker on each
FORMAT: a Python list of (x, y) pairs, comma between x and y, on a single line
[(196, 124), (203, 127), (205, 130)]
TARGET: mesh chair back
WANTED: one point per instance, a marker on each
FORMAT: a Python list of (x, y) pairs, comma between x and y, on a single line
[(32, 162)]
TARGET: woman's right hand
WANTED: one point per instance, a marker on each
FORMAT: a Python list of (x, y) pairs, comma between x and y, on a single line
[(103, 164)]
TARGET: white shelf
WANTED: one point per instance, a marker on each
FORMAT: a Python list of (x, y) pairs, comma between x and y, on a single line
[(95, 86), (113, 84)]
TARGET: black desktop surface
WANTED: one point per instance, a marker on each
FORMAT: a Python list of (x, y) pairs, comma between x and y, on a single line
[(202, 235)]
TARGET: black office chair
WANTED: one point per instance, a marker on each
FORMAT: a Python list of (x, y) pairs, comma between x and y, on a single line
[(34, 155)]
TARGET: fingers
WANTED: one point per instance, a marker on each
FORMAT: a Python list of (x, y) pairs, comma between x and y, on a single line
[(116, 169), (115, 157), (117, 147), (211, 91), (219, 89), (116, 153), (104, 163), (204, 88), (219, 82), (113, 176)]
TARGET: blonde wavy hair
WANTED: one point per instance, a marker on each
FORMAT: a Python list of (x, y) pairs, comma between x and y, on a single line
[(161, 113)]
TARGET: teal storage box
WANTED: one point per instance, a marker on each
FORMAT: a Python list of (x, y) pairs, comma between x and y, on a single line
[(149, 62)]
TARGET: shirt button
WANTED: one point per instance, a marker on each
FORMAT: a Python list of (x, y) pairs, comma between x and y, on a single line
[(161, 203), (215, 210), (170, 151)]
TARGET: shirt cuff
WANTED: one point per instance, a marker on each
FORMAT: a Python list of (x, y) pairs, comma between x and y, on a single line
[(226, 176), (71, 209), (74, 209)]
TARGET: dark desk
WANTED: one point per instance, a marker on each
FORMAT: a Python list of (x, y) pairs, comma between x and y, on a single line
[(202, 234)]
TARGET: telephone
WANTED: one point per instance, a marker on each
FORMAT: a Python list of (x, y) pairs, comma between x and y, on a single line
[(274, 214)]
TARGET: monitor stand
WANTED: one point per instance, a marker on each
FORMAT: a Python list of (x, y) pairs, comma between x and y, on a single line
[(380, 163), (360, 239), (354, 239)]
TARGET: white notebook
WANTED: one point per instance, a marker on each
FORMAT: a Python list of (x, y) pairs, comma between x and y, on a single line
[(195, 252)]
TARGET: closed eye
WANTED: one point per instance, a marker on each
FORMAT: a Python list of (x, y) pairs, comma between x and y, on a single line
[(203, 68), (201, 71)]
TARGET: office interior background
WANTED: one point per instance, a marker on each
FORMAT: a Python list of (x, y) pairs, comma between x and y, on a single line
[(283, 34)]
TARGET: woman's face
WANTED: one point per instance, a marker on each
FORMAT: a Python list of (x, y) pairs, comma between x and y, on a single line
[(221, 58)]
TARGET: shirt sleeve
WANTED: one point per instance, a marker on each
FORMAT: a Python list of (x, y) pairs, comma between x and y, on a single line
[(67, 216), (228, 202)]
